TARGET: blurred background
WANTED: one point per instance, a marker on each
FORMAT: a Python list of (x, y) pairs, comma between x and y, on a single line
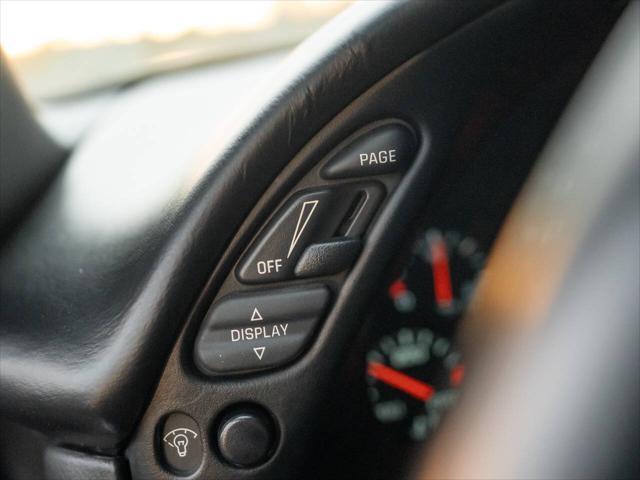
[(75, 61), (65, 48)]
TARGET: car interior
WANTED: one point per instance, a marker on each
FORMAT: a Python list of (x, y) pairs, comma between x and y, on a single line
[(404, 245)]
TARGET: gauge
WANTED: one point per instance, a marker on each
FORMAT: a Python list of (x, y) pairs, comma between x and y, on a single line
[(441, 273), (413, 377), (413, 370)]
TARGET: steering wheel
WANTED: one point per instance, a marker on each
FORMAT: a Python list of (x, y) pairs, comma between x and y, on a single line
[(184, 312)]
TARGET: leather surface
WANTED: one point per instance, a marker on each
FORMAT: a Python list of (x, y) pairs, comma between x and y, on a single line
[(99, 278), (29, 158), (64, 464)]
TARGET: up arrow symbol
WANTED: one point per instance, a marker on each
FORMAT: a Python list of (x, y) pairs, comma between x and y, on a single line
[(255, 316), (259, 351)]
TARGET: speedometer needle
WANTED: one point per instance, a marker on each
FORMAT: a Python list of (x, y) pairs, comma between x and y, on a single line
[(401, 381)]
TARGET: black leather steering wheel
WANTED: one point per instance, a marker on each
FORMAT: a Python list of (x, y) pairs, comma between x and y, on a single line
[(109, 266)]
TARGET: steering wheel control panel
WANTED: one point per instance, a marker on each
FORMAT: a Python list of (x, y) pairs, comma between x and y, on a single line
[(280, 289), (276, 295), (315, 235)]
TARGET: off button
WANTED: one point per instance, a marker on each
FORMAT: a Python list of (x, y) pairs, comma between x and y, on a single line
[(307, 216), (257, 331)]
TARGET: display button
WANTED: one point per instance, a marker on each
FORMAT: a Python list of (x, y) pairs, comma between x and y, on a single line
[(380, 149), (181, 444), (257, 331)]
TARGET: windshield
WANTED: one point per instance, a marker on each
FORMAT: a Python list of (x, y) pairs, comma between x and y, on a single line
[(65, 48)]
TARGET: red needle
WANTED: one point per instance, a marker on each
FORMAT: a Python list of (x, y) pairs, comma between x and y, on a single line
[(401, 381), (441, 273), (397, 289), (457, 375)]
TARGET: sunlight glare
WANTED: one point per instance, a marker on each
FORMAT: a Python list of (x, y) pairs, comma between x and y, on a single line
[(27, 26)]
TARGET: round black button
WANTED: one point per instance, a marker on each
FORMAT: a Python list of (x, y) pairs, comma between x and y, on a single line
[(181, 444), (246, 438)]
